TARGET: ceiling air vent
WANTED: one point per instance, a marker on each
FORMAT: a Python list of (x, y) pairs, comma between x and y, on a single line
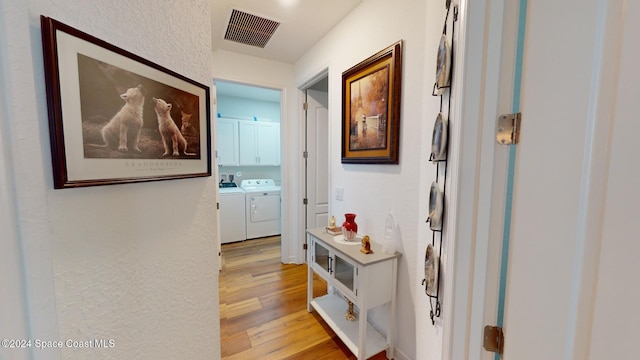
[(250, 29)]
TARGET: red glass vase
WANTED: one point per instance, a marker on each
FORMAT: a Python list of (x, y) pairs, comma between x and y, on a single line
[(349, 227)]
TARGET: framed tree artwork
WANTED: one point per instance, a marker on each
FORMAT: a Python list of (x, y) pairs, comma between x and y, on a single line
[(371, 95)]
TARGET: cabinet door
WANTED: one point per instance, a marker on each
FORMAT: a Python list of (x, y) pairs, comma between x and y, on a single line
[(247, 140), (268, 143), (321, 258), (227, 142), (345, 273)]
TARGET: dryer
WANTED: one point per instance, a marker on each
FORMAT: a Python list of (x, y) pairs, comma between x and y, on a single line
[(263, 205)]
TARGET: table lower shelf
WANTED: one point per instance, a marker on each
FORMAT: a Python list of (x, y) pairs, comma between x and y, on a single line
[(332, 309)]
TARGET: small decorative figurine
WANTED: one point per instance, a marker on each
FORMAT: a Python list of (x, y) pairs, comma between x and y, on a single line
[(366, 245), (350, 315), (331, 228)]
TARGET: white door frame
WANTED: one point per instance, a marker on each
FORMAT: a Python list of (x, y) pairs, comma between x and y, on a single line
[(481, 22), (301, 221), (583, 102), (287, 241), (478, 65), (215, 171)]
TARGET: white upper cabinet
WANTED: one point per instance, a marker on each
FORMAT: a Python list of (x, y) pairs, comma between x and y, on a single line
[(228, 142), (268, 143), (259, 143)]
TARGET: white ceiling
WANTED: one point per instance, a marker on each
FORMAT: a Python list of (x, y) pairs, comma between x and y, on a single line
[(302, 24)]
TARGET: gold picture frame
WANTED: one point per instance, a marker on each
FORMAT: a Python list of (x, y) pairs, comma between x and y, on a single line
[(371, 97)]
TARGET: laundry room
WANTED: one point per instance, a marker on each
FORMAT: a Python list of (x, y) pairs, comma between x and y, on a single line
[(248, 151)]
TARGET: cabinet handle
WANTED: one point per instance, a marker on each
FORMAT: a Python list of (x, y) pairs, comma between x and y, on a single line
[(330, 269)]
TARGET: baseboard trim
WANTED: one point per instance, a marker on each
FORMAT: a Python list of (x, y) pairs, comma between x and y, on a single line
[(399, 355)]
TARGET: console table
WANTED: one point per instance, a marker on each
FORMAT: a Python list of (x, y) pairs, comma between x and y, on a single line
[(368, 281)]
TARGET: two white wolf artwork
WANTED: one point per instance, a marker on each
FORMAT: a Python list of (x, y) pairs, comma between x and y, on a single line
[(124, 128)]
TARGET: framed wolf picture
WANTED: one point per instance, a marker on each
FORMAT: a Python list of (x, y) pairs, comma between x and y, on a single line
[(116, 118)]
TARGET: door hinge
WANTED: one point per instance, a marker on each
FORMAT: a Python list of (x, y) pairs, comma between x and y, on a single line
[(305, 201), (218, 206), (508, 129), (304, 246), (305, 106), (493, 339), (305, 154)]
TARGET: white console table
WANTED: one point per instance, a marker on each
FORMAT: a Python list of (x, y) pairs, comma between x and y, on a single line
[(366, 280)]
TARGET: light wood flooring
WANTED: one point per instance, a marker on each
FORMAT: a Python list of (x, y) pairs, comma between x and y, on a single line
[(263, 308)]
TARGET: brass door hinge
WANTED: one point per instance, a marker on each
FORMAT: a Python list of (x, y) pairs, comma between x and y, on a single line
[(493, 339), (508, 129)]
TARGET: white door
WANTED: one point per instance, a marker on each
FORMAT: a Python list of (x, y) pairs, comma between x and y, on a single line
[(570, 285), (215, 169), (575, 195), (317, 159)]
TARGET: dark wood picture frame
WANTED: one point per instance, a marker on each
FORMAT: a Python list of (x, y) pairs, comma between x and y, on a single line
[(104, 107), (371, 96)]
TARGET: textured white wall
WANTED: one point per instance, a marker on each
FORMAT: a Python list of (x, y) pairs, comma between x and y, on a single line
[(246, 109), (13, 321), (27, 169), (371, 191), (134, 263)]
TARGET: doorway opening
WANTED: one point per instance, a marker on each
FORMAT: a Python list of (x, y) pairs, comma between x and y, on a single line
[(248, 155), (316, 152)]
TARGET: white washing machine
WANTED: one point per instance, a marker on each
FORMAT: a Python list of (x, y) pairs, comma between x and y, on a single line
[(262, 207), (232, 213)]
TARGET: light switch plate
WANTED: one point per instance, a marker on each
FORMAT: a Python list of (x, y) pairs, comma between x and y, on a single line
[(339, 193)]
